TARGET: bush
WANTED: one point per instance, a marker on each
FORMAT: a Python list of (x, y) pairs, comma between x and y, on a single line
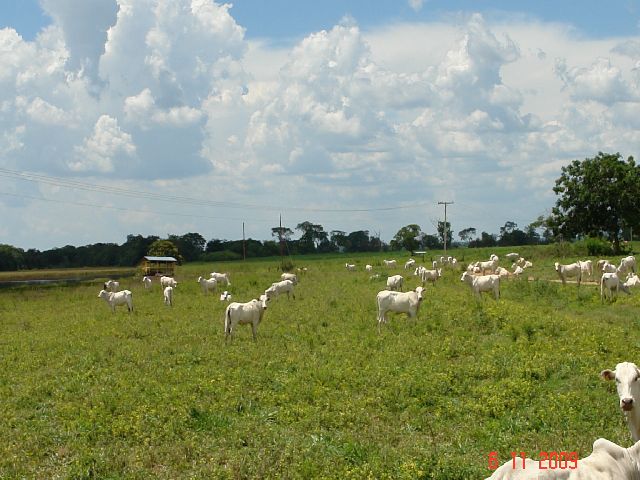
[(596, 247)]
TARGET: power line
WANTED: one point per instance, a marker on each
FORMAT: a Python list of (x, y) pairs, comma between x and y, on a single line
[(164, 197)]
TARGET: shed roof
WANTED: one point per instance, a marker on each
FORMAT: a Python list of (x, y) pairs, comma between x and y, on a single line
[(160, 259)]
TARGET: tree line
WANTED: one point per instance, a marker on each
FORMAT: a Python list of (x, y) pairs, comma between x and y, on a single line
[(597, 201)]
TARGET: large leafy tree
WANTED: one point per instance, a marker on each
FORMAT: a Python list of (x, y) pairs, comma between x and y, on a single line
[(597, 197), (312, 236), (441, 229), (164, 248), (466, 234), (407, 237)]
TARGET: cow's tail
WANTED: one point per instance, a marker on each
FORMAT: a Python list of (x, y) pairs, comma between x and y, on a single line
[(227, 322)]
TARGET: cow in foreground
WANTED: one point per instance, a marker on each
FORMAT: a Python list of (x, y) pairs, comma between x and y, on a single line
[(627, 375), (567, 271), (608, 461), (243, 313), (483, 283), (611, 282), (114, 299), (398, 302)]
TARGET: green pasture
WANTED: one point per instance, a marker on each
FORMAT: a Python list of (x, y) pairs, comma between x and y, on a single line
[(158, 394)]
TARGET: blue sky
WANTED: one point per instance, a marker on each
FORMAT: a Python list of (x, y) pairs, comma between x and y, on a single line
[(289, 19), (183, 119)]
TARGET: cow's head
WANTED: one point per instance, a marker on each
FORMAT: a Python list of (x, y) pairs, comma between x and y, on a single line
[(419, 291), (627, 377), (263, 301)]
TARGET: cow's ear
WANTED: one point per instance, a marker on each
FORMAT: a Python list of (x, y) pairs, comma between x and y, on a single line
[(607, 375)]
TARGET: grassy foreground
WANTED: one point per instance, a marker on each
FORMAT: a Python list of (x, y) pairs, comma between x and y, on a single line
[(157, 394)]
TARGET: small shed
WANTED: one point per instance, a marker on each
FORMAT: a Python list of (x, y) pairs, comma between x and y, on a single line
[(158, 265)]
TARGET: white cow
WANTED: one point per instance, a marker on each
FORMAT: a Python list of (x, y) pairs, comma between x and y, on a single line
[(168, 282), (394, 282), (512, 257), (518, 271), (428, 275), (350, 266), (208, 284), (608, 461), (434, 265), (389, 263), (242, 313), (290, 276), (225, 296), (491, 265), (527, 264), (146, 281), (632, 280), (611, 282), (221, 278), (570, 270), (168, 296), (626, 375), (609, 268), (278, 288), (502, 272), (114, 299), (368, 268), (398, 302), (111, 286), (409, 263), (627, 263), (587, 267), (483, 283)]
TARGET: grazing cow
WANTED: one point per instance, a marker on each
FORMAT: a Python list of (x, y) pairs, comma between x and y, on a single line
[(168, 296), (114, 299), (290, 276), (587, 267), (627, 263), (611, 282), (399, 302), (350, 267), (527, 264), (608, 461), (484, 283), (168, 282), (626, 375), (208, 284), (502, 272), (146, 281), (221, 278), (111, 286), (368, 268), (389, 263), (512, 257), (570, 270), (609, 268), (278, 288), (409, 263), (518, 271), (242, 313), (395, 282)]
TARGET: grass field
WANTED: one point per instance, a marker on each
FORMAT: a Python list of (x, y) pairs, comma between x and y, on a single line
[(157, 394)]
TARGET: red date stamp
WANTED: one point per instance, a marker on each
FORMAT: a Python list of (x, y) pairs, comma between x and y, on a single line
[(546, 461)]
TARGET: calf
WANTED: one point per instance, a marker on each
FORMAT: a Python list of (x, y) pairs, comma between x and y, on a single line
[(570, 270), (428, 275), (395, 282), (627, 375), (146, 281), (484, 283), (398, 302), (368, 268), (243, 313), (114, 299)]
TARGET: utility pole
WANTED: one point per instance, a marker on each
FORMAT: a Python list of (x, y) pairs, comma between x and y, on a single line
[(244, 247), (445, 224)]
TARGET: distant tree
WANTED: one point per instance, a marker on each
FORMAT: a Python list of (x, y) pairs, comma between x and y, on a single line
[(164, 248), (430, 242), (286, 233), (11, 258), (136, 247), (190, 245), (441, 229), (339, 239), (597, 197), (407, 237), (485, 240), (508, 227), (358, 241), (312, 236), (466, 234)]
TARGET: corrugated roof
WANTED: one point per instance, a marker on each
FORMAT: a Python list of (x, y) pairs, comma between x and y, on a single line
[(160, 259)]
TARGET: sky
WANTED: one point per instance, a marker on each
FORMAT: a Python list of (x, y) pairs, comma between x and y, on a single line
[(160, 117)]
